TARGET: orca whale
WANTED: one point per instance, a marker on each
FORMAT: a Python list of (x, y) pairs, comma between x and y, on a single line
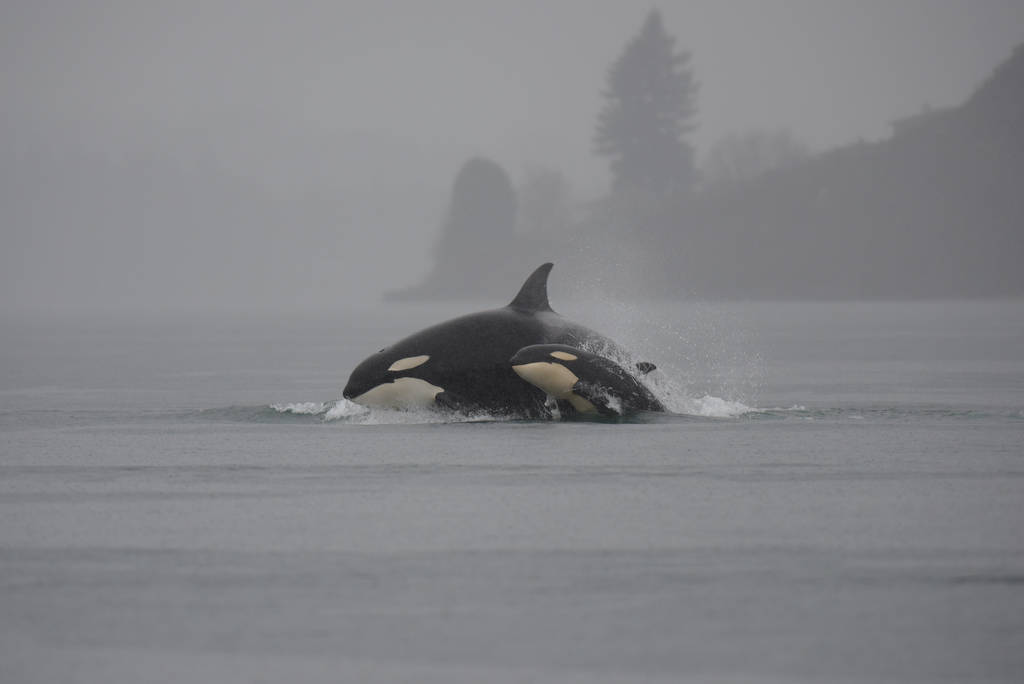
[(588, 383), (463, 364)]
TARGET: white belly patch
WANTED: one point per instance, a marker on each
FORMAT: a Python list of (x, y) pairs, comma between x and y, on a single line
[(556, 380), (405, 393)]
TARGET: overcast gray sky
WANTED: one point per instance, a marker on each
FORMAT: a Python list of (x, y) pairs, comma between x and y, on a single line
[(402, 92)]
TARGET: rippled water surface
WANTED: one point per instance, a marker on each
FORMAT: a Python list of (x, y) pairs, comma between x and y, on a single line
[(839, 498)]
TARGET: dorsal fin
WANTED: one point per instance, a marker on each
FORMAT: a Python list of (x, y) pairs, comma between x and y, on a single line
[(533, 295)]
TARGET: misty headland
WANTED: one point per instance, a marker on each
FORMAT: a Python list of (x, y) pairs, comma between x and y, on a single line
[(933, 211), (190, 156)]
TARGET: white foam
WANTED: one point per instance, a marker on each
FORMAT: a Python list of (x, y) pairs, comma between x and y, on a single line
[(351, 412), (714, 407), (706, 359), (344, 409), (614, 403), (304, 408)]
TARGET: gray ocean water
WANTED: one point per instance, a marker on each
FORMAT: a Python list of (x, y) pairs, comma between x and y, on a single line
[(841, 499)]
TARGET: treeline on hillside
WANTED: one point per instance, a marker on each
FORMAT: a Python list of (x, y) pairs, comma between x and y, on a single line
[(936, 210)]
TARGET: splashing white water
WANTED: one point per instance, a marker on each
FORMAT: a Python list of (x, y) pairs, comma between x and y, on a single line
[(706, 368), (714, 407), (302, 408), (347, 411), (706, 361)]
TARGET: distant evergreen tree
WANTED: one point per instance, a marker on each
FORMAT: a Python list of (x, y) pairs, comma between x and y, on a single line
[(651, 101)]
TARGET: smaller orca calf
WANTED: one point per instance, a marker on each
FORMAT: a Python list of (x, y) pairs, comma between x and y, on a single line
[(589, 383)]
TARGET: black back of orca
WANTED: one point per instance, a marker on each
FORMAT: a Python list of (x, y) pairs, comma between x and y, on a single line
[(467, 358)]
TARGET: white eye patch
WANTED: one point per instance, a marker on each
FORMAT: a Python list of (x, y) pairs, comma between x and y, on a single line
[(564, 356), (409, 362)]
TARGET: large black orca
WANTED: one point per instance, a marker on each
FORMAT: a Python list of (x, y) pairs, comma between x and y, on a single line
[(463, 364), (587, 382)]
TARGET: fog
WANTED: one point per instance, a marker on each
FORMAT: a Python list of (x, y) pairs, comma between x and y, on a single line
[(301, 155)]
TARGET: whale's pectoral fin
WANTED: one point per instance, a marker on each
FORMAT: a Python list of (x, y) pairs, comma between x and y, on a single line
[(645, 367), (599, 396)]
